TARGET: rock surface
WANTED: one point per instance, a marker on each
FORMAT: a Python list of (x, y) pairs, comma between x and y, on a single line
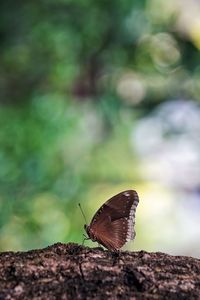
[(70, 271)]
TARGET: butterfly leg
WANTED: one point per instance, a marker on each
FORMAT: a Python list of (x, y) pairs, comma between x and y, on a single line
[(85, 238)]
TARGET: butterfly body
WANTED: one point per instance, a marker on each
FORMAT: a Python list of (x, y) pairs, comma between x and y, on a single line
[(113, 224), (90, 232)]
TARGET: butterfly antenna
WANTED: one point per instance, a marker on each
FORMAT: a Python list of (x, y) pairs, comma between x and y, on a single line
[(82, 212)]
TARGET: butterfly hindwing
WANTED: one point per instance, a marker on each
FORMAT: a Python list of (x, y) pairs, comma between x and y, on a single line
[(113, 235)]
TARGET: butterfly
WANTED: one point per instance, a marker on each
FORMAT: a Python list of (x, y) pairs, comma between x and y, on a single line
[(113, 223)]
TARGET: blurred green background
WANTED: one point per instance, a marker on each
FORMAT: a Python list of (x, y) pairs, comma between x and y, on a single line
[(97, 97)]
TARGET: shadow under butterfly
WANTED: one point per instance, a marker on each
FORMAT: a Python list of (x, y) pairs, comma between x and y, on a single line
[(113, 223)]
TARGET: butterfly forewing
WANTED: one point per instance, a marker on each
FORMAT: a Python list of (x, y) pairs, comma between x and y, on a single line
[(113, 223)]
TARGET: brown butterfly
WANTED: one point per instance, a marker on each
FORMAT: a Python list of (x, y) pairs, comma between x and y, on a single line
[(113, 224)]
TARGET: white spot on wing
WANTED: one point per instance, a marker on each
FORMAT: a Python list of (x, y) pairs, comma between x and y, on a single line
[(126, 194)]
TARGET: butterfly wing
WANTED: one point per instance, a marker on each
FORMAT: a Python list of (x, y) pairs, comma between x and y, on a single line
[(113, 223)]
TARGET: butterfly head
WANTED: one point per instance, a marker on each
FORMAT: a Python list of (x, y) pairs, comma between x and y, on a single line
[(86, 227)]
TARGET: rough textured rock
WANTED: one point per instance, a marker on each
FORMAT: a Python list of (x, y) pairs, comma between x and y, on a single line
[(70, 271)]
